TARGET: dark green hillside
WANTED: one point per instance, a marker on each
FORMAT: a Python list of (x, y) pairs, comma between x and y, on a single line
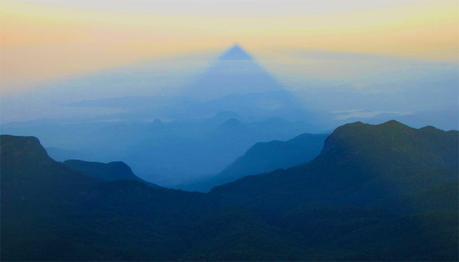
[(385, 161), (49, 212), (376, 192), (36, 195)]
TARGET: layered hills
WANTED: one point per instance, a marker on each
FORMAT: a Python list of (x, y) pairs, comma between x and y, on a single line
[(229, 105), (375, 192)]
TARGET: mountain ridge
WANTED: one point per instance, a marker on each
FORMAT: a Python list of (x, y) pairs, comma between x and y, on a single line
[(367, 196), (363, 153), (264, 157), (115, 170)]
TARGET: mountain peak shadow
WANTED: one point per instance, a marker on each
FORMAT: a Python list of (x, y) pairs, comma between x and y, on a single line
[(234, 72), (236, 52), (236, 82)]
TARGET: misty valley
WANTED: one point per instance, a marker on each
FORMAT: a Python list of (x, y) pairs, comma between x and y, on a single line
[(231, 166)]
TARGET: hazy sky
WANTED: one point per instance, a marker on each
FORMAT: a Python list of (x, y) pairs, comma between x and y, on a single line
[(44, 40)]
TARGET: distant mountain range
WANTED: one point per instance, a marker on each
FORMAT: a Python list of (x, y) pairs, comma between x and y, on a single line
[(409, 176), (361, 162), (265, 157), (184, 151), (375, 192), (213, 119)]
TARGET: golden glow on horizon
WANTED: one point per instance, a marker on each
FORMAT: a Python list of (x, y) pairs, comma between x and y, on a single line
[(44, 42)]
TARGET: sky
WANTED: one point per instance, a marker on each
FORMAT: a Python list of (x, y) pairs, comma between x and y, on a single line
[(47, 40)]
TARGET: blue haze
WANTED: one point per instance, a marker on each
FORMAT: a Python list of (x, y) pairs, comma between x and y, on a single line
[(176, 121)]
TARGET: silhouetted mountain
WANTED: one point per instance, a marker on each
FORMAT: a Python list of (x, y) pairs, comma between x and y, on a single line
[(269, 156), (111, 171), (189, 143), (49, 212), (24, 162), (264, 157), (36, 195), (382, 187), (370, 159), (384, 192), (183, 150)]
